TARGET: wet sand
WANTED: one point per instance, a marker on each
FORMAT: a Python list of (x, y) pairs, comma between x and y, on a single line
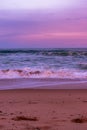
[(43, 109), (42, 83)]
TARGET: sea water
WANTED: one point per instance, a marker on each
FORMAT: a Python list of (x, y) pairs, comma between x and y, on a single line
[(43, 63), (59, 64)]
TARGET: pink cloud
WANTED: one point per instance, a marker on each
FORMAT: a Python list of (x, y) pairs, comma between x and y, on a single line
[(28, 27)]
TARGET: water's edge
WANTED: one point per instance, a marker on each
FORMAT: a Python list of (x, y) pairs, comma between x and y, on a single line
[(45, 83)]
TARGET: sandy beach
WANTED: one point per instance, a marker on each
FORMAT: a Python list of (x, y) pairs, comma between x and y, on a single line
[(43, 109), (43, 64)]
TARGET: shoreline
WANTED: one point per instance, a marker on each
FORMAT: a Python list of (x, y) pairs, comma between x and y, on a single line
[(42, 84)]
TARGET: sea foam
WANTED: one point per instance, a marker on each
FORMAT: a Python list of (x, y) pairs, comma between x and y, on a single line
[(43, 73)]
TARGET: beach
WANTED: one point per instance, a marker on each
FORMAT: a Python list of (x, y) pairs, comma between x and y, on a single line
[(43, 65), (43, 109), (43, 89)]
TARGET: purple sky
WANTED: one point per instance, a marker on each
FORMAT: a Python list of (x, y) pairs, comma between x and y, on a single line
[(43, 23)]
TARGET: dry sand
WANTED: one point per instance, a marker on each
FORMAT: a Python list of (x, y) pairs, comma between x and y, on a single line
[(43, 109)]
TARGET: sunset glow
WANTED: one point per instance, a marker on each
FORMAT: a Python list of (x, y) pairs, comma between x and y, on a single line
[(43, 22), (36, 4)]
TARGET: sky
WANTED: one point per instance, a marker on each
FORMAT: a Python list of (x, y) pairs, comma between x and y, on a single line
[(43, 23)]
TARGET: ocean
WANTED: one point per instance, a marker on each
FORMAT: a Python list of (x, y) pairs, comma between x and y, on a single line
[(43, 63), (59, 64)]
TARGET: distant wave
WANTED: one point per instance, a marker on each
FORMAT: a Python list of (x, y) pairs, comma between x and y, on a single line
[(43, 73), (47, 52)]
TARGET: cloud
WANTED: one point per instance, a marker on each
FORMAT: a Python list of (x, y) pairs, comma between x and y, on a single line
[(36, 4), (30, 27)]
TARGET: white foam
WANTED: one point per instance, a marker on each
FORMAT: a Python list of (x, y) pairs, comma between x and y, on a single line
[(43, 73)]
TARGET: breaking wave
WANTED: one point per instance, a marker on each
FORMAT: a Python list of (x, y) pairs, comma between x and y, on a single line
[(43, 73)]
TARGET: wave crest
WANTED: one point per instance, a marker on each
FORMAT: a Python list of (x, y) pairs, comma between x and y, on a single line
[(43, 73), (46, 52)]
